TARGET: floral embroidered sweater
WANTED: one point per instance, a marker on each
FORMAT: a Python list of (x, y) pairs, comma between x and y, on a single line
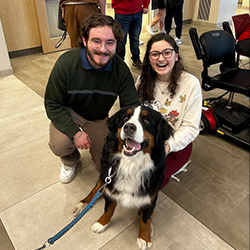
[(183, 111)]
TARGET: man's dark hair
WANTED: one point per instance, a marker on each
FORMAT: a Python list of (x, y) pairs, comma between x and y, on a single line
[(100, 20)]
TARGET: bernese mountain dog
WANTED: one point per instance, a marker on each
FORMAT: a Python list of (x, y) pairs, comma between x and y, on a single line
[(134, 155)]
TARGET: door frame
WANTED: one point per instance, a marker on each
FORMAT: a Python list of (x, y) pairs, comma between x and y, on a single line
[(48, 43)]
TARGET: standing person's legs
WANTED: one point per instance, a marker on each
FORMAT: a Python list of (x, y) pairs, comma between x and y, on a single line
[(134, 34), (162, 13), (156, 19), (178, 21), (71, 24), (168, 20), (125, 21)]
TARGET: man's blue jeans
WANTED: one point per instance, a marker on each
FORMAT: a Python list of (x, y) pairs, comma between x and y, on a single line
[(131, 24)]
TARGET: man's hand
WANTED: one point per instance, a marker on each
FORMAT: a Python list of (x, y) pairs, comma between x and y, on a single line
[(144, 10), (82, 140)]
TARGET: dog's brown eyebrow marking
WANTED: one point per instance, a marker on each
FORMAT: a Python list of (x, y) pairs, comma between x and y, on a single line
[(129, 112), (144, 113)]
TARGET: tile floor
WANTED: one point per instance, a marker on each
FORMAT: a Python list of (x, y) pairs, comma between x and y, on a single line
[(207, 209)]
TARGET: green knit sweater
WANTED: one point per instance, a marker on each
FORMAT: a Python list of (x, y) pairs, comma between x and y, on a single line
[(90, 93)]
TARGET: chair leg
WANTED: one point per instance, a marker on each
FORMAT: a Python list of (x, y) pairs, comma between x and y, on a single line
[(182, 169)]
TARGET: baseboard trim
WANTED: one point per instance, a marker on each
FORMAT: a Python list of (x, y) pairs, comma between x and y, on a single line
[(6, 72), (25, 52)]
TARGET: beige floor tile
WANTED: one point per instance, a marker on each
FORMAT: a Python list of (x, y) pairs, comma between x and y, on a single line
[(25, 170), (174, 229), (214, 190), (22, 114), (50, 210)]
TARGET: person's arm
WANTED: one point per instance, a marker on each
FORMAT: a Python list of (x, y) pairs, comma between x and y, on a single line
[(189, 128), (145, 6), (102, 6), (56, 99)]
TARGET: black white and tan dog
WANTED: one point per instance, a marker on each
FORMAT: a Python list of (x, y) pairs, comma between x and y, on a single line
[(134, 150)]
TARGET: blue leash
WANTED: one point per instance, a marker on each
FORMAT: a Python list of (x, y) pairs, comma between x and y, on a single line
[(99, 193)]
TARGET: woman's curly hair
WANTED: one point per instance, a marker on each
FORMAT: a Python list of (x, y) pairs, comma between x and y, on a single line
[(149, 76)]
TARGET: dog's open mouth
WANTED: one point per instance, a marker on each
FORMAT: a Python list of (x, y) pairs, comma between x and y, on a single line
[(130, 147)]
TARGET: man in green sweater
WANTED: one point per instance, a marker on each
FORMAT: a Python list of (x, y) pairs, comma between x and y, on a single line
[(82, 88)]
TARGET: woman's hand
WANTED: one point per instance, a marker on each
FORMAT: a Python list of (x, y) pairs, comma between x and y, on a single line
[(167, 148), (82, 140)]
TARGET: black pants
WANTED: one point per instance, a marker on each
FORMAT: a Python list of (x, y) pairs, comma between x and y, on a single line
[(176, 13)]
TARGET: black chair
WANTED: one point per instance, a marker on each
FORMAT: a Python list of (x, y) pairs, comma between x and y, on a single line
[(220, 114)]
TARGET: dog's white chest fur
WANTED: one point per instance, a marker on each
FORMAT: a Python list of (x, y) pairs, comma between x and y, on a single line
[(132, 173)]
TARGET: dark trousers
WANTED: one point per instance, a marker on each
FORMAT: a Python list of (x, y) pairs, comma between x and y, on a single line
[(131, 25), (176, 13)]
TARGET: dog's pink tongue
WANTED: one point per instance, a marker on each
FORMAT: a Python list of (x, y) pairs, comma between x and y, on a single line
[(133, 144)]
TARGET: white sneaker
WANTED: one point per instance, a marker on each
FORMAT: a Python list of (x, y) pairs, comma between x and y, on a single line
[(178, 41), (141, 42), (67, 174), (162, 31), (150, 30)]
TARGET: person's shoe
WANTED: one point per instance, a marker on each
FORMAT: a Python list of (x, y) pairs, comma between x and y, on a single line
[(137, 64), (141, 42), (178, 41), (67, 174), (150, 30), (162, 31)]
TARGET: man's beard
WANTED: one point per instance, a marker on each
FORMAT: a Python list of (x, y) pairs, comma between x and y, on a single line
[(97, 52)]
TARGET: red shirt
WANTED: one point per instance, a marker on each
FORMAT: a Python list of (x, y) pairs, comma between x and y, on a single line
[(129, 6)]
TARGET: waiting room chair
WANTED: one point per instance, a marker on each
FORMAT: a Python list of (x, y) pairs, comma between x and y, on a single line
[(241, 22)]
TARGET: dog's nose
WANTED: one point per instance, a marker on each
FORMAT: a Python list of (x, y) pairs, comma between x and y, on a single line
[(129, 128)]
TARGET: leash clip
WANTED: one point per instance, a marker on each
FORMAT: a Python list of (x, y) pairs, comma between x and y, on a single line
[(108, 178), (45, 245)]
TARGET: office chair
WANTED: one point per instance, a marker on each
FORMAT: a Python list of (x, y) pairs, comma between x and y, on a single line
[(241, 22), (219, 114)]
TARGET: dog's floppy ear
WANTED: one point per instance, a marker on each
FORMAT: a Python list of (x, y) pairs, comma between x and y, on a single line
[(113, 121), (164, 132)]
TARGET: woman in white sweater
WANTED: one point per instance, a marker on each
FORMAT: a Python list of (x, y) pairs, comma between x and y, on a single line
[(166, 86)]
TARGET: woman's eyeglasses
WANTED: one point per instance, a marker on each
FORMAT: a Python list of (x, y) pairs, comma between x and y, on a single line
[(109, 45), (166, 53)]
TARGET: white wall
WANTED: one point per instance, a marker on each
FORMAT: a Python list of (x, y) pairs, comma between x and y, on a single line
[(227, 9), (5, 66), (220, 11)]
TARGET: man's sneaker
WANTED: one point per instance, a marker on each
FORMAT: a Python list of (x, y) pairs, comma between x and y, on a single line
[(141, 42), (67, 174), (178, 41), (137, 64), (150, 30), (162, 31)]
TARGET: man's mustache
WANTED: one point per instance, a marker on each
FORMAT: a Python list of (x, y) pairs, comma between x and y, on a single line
[(102, 54)]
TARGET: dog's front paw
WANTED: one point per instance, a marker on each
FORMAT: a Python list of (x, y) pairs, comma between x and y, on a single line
[(79, 208), (98, 228), (142, 244)]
